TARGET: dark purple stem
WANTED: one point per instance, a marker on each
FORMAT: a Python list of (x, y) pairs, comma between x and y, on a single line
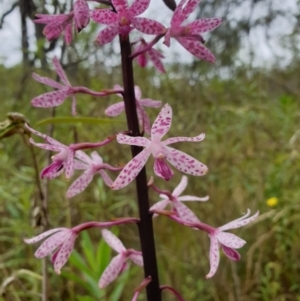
[(145, 225)]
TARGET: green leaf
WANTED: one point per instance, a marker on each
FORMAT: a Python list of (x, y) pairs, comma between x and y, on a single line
[(88, 249), (88, 120)]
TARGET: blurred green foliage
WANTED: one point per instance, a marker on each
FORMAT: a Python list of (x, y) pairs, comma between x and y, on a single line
[(252, 149)]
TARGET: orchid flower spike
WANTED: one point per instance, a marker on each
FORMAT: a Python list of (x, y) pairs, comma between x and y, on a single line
[(124, 20), (160, 152), (92, 165), (154, 55), (227, 241), (118, 263), (189, 36), (119, 107), (56, 24), (175, 201)]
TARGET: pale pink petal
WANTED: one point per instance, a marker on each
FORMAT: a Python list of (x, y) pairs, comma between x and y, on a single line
[(96, 157), (230, 240), (147, 26), (51, 243), (83, 157), (162, 169), (178, 16), (181, 186), (231, 253), (80, 184), (120, 5), (115, 109), (43, 235), (70, 165), (139, 141), (155, 57), (104, 16), (107, 180), (204, 25), (47, 81), (113, 241), (137, 259), (184, 162), (185, 213), (187, 198), (137, 93), (81, 14), (64, 253), (197, 49), (107, 34), (162, 122), (112, 271), (50, 147), (184, 139), (131, 170), (138, 7), (214, 256), (78, 165), (242, 221), (161, 205), (147, 102), (60, 71), (167, 39), (51, 99)]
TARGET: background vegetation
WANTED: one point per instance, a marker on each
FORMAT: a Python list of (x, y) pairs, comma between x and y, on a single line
[(251, 121)]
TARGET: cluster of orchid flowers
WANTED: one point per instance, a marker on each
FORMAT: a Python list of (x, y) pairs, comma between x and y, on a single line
[(121, 20)]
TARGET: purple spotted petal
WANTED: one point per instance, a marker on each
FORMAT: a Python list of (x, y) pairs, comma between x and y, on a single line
[(230, 240), (80, 184), (190, 6), (214, 256), (139, 141), (68, 34), (161, 205), (137, 259), (106, 178), (70, 165), (112, 271), (64, 253), (147, 26), (138, 7), (142, 59), (144, 119), (60, 71), (113, 241), (81, 14), (47, 81), (181, 186), (155, 57), (197, 49), (185, 213), (178, 16), (167, 40), (204, 25), (184, 162), (46, 146), (107, 34), (83, 157), (131, 170), (162, 122), (115, 109), (51, 243), (51, 99), (120, 5), (104, 16), (242, 221), (147, 102), (184, 139), (231, 253), (162, 169), (43, 235)]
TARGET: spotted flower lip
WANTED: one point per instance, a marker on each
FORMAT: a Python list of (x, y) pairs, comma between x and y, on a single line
[(118, 264), (124, 20), (119, 107), (189, 36), (160, 151), (175, 201)]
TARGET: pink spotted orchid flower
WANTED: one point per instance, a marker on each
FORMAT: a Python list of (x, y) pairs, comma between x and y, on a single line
[(119, 107), (59, 242), (175, 201), (219, 238), (123, 20), (160, 151), (154, 55), (65, 160), (189, 36), (118, 263), (92, 165), (57, 24), (65, 90)]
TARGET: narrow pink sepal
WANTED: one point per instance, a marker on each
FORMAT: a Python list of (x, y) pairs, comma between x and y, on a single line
[(43, 235), (139, 141), (115, 109), (113, 241), (138, 7), (51, 99), (181, 186), (178, 16), (106, 178), (148, 26), (47, 81), (70, 164), (167, 39), (161, 205), (80, 184), (155, 57), (81, 14), (137, 259), (162, 122), (68, 34), (184, 139), (120, 5), (60, 71), (147, 102), (107, 34), (204, 25), (187, 198), (214, 255), (104, 16), (185, 213), (230, 240)]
